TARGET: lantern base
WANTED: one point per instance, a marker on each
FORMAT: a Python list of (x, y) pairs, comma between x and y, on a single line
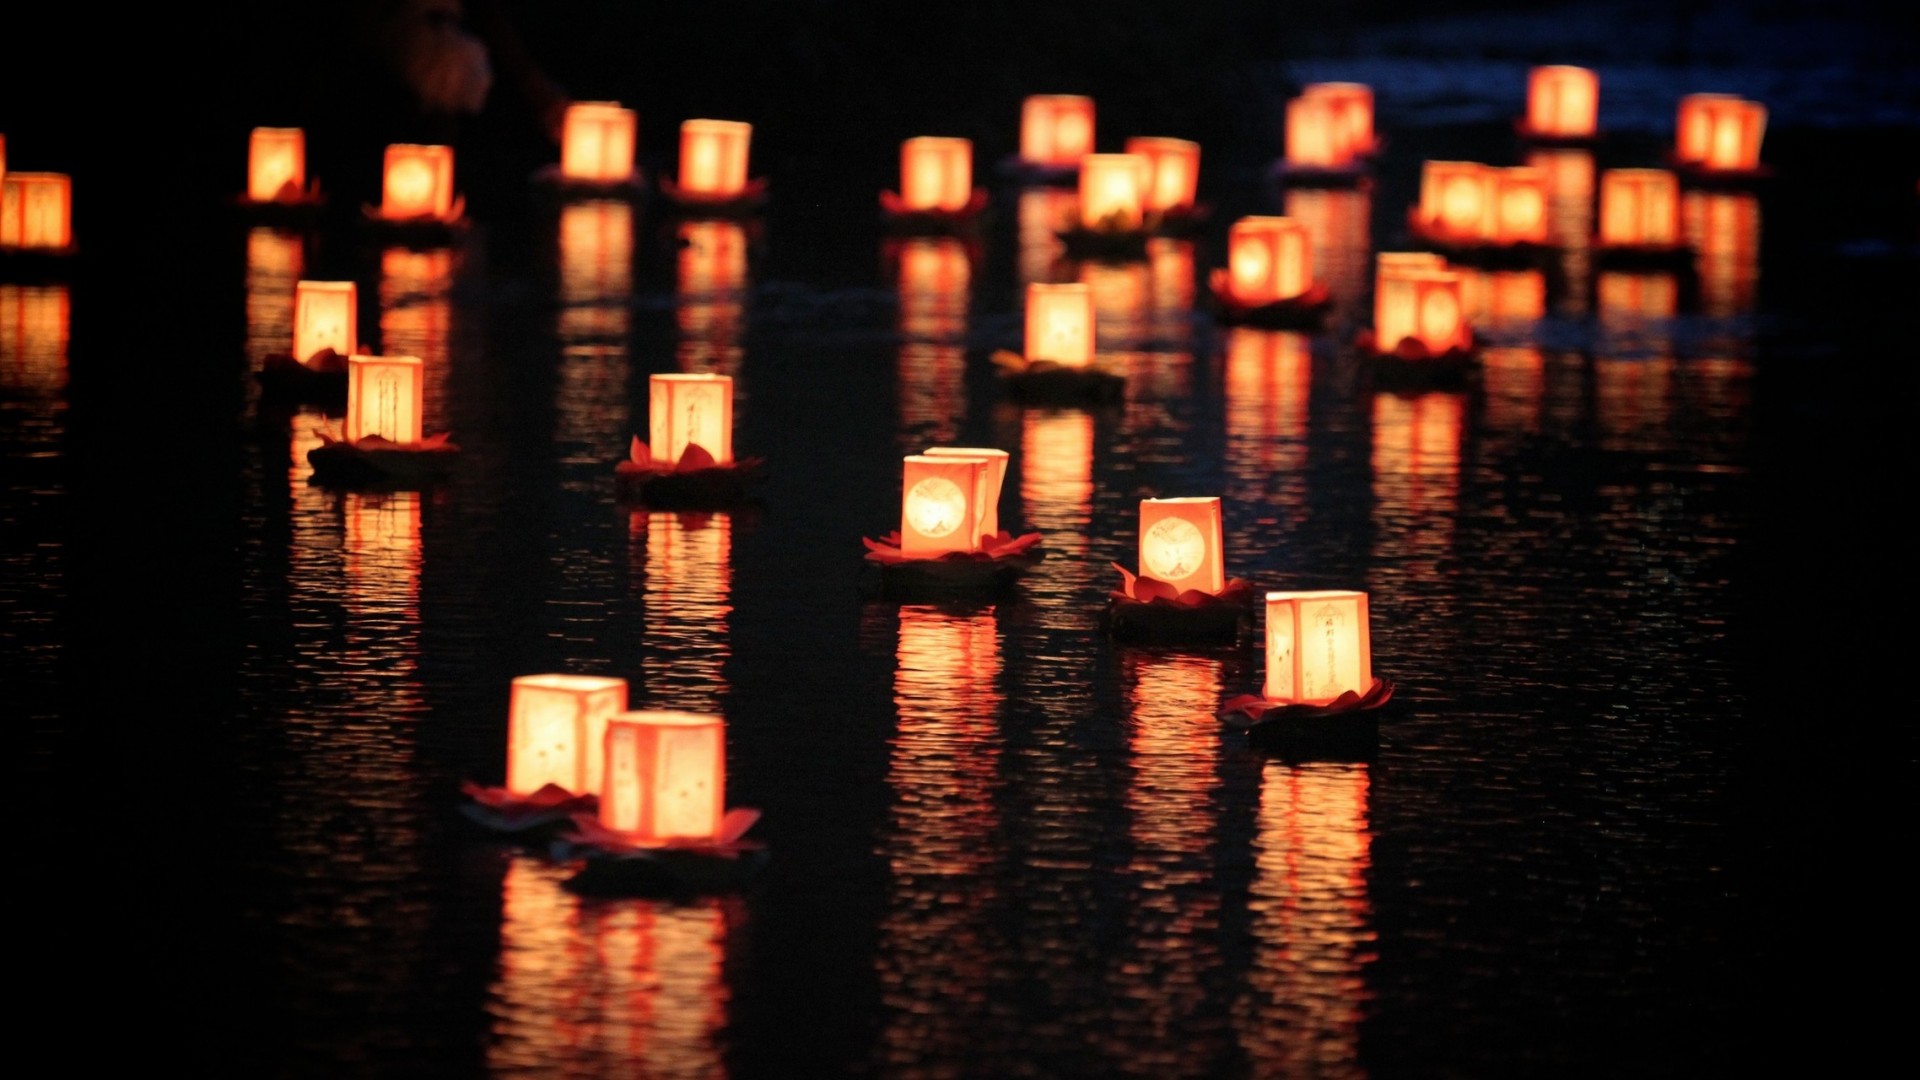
[(1308, 311), (1143, 609), (902, 221), (613, 865), (1476, 252), (1412, 365), (1037, 173), (549, 178), (1179, 222), (1694, 175), (28, 265), (1106, 245), (528, 817), (320, 380), (1044, 382), (1674, 258), (291, 207), (423, 229), (749, 201), (711, 487), (1355, 174), (1533, 136), (999, 562), (377, 462), (1346, 728)]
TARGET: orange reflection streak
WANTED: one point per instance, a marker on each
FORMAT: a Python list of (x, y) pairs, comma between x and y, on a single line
[(416, 314), (711, 296), (1043, 213), (1496, 297), (1635, 312), (688, 582), (934, 276), (1416, 482), (584, 988), (1724, 227), (1513, 380), (382, 557), (1269, 381), (34, 321), (1056, 476), (306, 426), (1633, 402), (1337, 230), (596, 275), (275, 261), (1170, 290), (1119, 292), (1570, 180), (1312, 923)]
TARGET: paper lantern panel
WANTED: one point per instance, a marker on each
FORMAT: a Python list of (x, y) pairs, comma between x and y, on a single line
[(276, 163), (1180, 543), (597, 142), (417, 181), (325, 316), (556, 731), (1318, 646), (1056, 129), (936, 173), (666, 776), (713, 157), (684, 410), (1060, 323), (942, 504), (385, 397)]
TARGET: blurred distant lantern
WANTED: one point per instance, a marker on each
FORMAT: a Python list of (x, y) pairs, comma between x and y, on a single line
[(418, 181), (1353, 111), (1318, 646), (1639, 208), (1269, 259), (3, 156), (941, 506), (1173, 167), (1330, 125), (1180, 543), (713, 157), (993, 479), (1060, 323), (1457, 199), (1563, 102), (1520, 205), (1416, 296), (1720, 132), (385, 397), (597, 142), (36, 211), (1113, 191), (936, 173), (325, 315), (689, 410), (557, 729), (276, 164), (1056, 129), (666, 776)]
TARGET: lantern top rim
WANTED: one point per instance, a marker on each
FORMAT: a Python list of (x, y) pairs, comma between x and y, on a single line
[(1315, 594), (375, 358), (1059, 288), (944, 140), (577, 683), (707, 124), (665, 718), (25, 174), (1160, 140), (690, 377), (1339, 85), (1182, 500), (598, 106), (315, 283), (963, 451), (1563, 67), (268, 129), (1059, 97)]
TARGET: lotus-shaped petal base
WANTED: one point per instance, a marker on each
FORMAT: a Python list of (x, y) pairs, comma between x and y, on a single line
[(1308, 311), (378, 462), (527, 816), (613, 864), (1044, 382), (695, 482), (1347, 727), (1147, 609)]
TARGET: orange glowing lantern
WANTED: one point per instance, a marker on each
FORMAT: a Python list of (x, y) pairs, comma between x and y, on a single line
[(1173, 168), (936, 173), (36, 211), (385, 397), (1457, 198), (1315, 136), (418, 181), (1720, 132), (1520, 205), (324, 317), (1318, 646), (690, 410), (1056, 129), (992, 480), (1352, 105), (1395, 298), (941, 508), (1563, 102), (1060, 323), (597, 141), (713, 157), (1113, 191), (557, 731), (1180, 543), (276, 164), (1269, 259), (1639, 208), (666, 776), (3, 156)]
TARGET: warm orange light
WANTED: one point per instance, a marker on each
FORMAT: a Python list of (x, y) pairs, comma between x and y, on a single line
[(1180, 543), (1458, 198), (666, 776), (1056, 475), (688, 410), (1520, 205), (36, 211), (713, 156), (936, 173), (1720, 132), (418, 181), (1060, 323), (991, 481), (1173, 167), (385, 397), (1503, 295), (1268, 259), (3, 156), (941, 508), (1056, 129), (276, 163), (597, 141), (324, 317), (1724, 228), (557, 730), (1315, 135), (1352, 105), (1113, 191), (1397, 295), (1636, 296), (1639, 207), (1318, 646), (1563, 101)]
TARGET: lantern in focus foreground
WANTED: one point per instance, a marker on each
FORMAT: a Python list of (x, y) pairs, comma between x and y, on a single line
[(385, 397), (1268, 259), (713, 157), (666, 775), (1180, 543), (993, 479), (1173, 172), (556, 731), (1060, 323), (36, 211), (597, 142), (1720, 133), (689, 410), (324, 317), (417, 182), (276, 164), (1318, 646), (936, 173), (1113, 192), (1056, 129), (1639, 208), (941, 504), (1563, 102)]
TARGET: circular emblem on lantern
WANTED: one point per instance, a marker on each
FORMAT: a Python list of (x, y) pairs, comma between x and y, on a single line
[(936, 506), (1174, 549)]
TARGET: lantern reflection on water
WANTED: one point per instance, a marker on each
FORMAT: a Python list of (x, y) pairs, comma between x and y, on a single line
[(711, 278), (1500, 296), (384, 397), (713, 157), (1723, 228), (1180, 543), (1060, 324), (275, 260), (596, 275), (934, 275), (684, 564), (936, 173), (417, 182), (276, 164), (689, 410), (1056, 129), (556, 731), (33, 338), (1563, 102), (1269, 383), (1173, 170), (1113, 190), (1318, 646), (1056, 475), (666, 776), (36, 211), (597, 142), (941, 507), (1044, 213), (325, 316)]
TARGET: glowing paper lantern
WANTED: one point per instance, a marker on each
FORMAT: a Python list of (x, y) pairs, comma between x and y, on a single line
[(557, 731), (1268, 259), (1352, 107), (936, 173), (385, 397), (1056, 129), (1394, 306), (941, 506), (1563, 101), (1720, 132), (1113, 191), (1060, 323), (685, 410), (1318, 646), (1520, 205), (1639, 207), (666, 776), (1173, 171), (36, 211), (324, 317), (1180, 543), (418, 181), (991, 481), (713, 157), (1315, 136), (1458, 198), (597, 141), (276, 163), (1416, 296)]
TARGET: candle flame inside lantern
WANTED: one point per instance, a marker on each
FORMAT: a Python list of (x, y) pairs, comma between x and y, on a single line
[(713, 156), (597, 141), (936, 173), (1056, 129), (276, 163)]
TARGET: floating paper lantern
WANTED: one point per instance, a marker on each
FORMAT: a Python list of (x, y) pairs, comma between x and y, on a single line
[(994, 479), (936, 173), (1720, 132), (1056, 129), (1639, 208), (686, 410), (1316, 138), (1269, 259), (1395, 306), (385, 397), (942, 504), (1457, 198), (1180, 543), (1563, 102), (276, 163), (666, 776), (325, 314), (597, 142), (1173, 171), (1352, 105), (36, 211), (713, 157), (1060, 323), (1318, 646), (418, 181), (1113, 191), (557, 729), (1520, 205)]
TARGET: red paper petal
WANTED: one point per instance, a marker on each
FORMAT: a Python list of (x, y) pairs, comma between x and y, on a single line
[(694, 457), (1146, 588)]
